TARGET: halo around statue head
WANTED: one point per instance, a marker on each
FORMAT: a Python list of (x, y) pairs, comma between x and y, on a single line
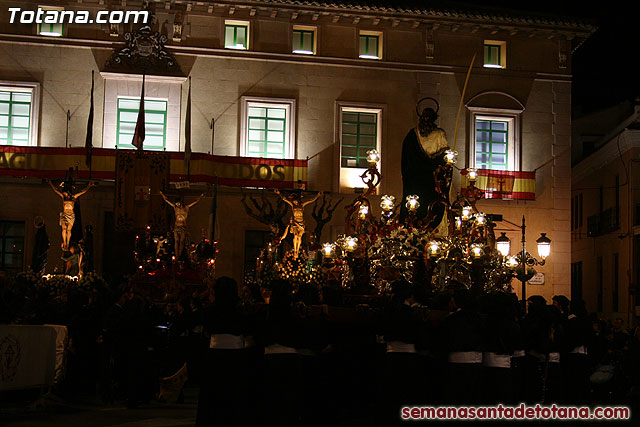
[(419, 113)]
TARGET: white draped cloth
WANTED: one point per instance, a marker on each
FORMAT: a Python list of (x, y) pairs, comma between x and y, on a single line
[(27, 356)]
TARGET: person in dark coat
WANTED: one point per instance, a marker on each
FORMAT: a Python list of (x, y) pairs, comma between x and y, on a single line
[(280, 336), (223, 387), (555, 392), (403, 374), (501, 338), (536, 330), (462, 333), (114, 344), (577, 365)]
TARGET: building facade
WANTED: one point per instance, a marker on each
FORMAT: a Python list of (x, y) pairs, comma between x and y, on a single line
[(316, 82), (606, 211)]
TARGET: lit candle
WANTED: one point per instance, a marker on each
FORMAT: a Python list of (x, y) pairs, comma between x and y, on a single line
[(434, 248), (466, 212), (472, 175), (373, 157), (481, 219), (387, 202), (328, 250), (351, 244), (450, 157), (476, 250), (412, 203), (364, 211)]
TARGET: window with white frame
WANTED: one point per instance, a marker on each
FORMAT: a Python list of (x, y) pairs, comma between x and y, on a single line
[(268, 127), (18, 113), (155, 123), (236, 34), (49, 26), (304, 40), (495, 141), (359, 130), (163, 124), (359, 135), (370, 44)]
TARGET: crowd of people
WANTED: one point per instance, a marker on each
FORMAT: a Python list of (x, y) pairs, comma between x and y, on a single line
[(304, 357)]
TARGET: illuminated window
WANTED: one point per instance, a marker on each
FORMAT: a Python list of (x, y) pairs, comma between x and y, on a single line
[(358, 129), (18, 114), (236, 35), (50, 29), (166, 92), (370, 45), (359, 135), (495, 54), (155, 123), (494, 142), (268, 128), (304, 40)]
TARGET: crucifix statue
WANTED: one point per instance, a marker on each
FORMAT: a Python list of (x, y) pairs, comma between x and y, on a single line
[(68, 216), (296, 224), (181, 211)]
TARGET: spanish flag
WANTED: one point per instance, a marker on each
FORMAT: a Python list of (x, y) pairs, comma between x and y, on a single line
[(505, 185)]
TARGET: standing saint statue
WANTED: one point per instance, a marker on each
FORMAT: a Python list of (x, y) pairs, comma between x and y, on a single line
[(181, 211), (67, 216), (423, 151), (296, 224)]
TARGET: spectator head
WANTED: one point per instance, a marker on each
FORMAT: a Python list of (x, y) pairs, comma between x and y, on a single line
[(578, 307), (536, 304), (562, 303), (618, 323)]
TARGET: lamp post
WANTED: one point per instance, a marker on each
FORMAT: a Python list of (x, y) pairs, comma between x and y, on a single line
[(524, 259)]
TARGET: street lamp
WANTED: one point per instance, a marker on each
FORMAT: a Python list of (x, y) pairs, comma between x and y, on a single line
[(524, 258), (544, 245), (503, 244)]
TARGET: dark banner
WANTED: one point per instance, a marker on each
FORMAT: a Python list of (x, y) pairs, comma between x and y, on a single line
[(140, 176)]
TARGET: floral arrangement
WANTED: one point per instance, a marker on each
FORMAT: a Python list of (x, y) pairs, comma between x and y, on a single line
[(296, 270), (57, 285), (406, 240)]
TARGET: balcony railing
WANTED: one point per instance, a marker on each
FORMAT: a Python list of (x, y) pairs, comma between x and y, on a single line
[(603, 223)]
